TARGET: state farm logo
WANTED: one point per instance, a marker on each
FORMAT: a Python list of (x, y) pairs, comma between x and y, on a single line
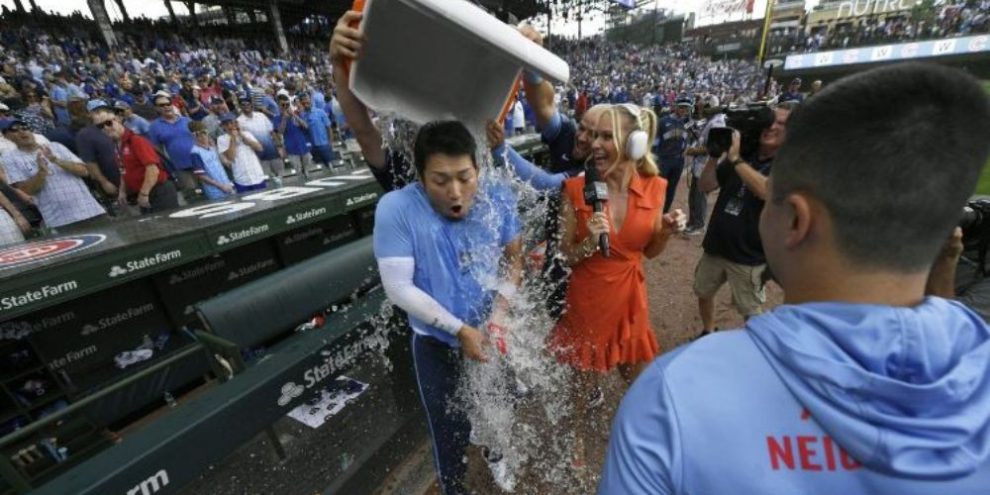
[(33, 252), (240, 235), (116, 319), (142, 263), (290, 391), (356, 200), (252, 268), (305, 215)]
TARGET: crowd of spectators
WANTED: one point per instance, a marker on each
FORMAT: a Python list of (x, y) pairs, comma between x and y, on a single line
[(62, 90), (653, 76), (951, 18)]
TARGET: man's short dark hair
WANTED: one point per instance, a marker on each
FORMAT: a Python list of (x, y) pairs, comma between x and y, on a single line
[(893, 153), (448, 137)]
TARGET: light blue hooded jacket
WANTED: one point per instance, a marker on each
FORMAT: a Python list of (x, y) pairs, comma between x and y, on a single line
[(822, 398)]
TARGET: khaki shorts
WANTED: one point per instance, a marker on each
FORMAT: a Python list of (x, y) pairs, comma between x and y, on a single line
[(746, 282)]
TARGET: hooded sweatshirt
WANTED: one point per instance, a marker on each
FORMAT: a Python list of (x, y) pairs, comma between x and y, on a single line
[(821, 398)]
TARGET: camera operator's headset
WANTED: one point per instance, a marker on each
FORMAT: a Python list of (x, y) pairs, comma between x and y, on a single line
[(637, 142)]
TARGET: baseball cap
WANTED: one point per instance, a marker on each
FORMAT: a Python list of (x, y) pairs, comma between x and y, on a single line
[(796, 80), (684, 101), (121, 104), (96, 104), (6, 124), (162, 94), (215, 100), (227, 117), (4, 108)]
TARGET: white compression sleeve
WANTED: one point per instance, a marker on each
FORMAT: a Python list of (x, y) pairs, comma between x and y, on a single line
[(397, 279)]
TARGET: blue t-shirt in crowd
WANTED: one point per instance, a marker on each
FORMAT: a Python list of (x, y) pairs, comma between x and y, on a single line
[(270, 104), (176, 139), (61, 113), (318, 122), (457, 261), (319, 99), (294, 136), (207, 161), (138, 125), (826, 398)]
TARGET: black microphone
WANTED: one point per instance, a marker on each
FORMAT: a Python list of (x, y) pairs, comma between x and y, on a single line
[(596, 195)]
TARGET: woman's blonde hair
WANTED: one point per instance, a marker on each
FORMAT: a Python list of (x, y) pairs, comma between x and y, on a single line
[(636, 118)]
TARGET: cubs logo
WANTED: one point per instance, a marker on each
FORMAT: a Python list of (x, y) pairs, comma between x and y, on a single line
[(45, 250)]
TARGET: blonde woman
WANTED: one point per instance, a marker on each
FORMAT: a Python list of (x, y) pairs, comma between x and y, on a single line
[(607, 322)]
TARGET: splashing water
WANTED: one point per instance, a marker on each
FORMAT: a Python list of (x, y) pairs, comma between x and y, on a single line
[(519, 404)]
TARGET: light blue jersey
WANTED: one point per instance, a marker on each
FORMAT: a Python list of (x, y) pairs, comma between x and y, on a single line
[(822, 398), (457, 261)]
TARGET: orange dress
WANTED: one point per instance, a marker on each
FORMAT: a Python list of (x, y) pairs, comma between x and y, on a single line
[(607, 320)]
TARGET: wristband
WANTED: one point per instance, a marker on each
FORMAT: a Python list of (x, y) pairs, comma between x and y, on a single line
[(532, 77), (737, 161)]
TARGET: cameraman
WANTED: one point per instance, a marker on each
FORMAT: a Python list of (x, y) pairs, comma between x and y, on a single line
[(954, 276), (733, 252)]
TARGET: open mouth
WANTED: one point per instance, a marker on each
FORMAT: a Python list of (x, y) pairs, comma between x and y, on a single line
[(456, 209)]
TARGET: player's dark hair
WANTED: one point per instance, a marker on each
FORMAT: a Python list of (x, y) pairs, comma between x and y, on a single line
[(448, 137), (893, 153)]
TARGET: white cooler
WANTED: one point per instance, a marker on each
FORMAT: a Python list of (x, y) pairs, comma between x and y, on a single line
[(443, 59)]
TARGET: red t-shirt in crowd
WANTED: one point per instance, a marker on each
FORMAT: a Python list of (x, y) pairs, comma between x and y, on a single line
[(133, 156)]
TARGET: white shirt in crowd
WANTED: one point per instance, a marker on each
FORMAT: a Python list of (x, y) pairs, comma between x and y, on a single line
[(259, 125), (246, 166), (64, 199), (518, 116)]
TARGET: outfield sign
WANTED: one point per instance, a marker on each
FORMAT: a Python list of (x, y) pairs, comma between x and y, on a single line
[(889, 53)]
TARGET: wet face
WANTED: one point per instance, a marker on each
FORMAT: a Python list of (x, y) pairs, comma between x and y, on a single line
[(451, 183), (586, 132), (604, 150), (773, 137)]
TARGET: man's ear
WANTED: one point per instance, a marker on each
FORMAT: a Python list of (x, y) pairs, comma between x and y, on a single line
[(801, 211)]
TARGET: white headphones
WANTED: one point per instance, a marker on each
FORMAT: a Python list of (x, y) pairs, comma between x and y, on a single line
[(637, 142)]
